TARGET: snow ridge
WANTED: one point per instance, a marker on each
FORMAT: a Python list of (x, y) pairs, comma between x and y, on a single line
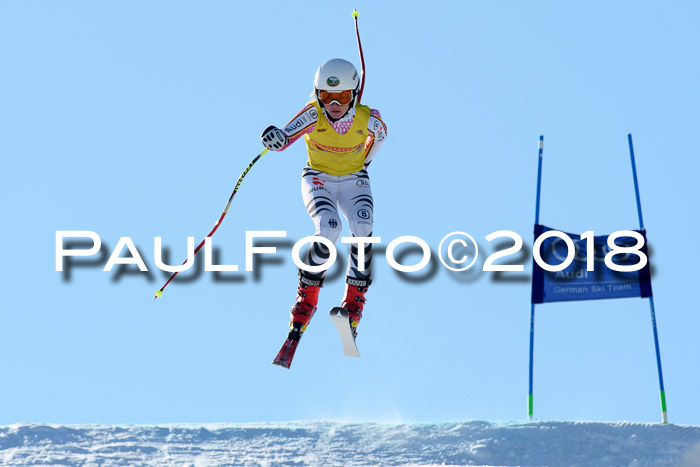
[(332, 443)]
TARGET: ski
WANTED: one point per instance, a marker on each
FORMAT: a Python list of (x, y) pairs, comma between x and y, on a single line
[(342, 323), (286, 354)]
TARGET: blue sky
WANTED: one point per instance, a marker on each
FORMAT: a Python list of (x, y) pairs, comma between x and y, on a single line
[(133, 119)]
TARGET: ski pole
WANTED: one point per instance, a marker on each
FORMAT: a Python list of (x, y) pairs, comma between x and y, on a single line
[(218, 223), (355, 14)]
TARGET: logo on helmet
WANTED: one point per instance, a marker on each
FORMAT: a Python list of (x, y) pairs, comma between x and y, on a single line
[(332, 81)]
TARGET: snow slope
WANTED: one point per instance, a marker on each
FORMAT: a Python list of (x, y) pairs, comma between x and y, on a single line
[(332, 443)]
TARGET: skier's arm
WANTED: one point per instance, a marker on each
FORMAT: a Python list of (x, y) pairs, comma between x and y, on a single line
[(376, 129), (302, 123)]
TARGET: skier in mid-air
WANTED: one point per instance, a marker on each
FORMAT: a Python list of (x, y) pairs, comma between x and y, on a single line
[(342, 137)]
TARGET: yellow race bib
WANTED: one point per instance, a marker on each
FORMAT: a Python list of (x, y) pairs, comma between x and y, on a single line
[(337, 154)]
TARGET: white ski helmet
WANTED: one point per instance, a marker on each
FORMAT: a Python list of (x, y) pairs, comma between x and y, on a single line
[(337, 75)]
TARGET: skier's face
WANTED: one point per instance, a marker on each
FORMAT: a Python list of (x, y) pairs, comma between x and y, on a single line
[(336, 110)]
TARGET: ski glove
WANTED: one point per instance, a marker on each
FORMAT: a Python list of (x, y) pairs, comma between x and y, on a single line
[(273, 138)]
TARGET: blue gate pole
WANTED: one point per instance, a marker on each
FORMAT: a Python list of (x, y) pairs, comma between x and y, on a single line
[(539, 179), (530, 399), (636, 184), (664, 415)]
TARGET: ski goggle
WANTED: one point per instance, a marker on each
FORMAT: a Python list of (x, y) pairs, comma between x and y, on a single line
[(341, 97)]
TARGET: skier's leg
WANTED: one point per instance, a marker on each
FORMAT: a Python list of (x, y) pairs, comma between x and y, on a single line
[(319, 197), (319, 193), (356, 203)]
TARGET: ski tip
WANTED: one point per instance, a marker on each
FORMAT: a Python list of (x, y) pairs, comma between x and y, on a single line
[(281, 364), (339, 311)]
